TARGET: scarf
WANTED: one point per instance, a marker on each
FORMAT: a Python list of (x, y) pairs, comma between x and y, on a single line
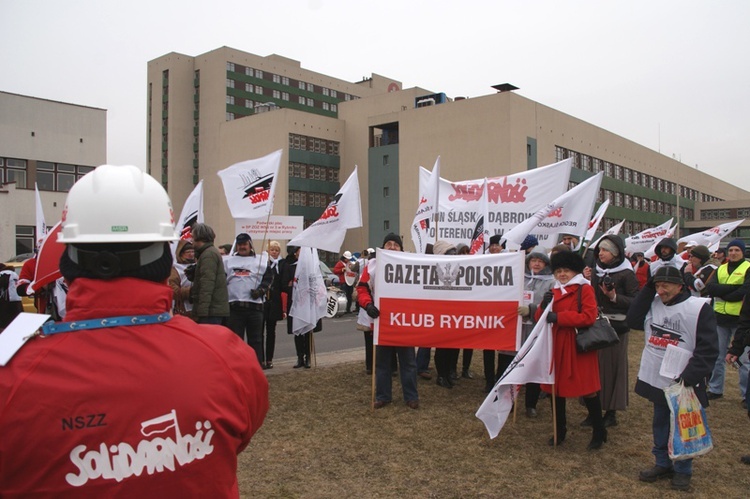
[(624, 265), (577, 279)]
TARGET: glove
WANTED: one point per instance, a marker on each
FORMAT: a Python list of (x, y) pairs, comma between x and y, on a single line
[(551, 318), (256, 293), (546, 299), (372, 311), (190, 272), (699, 285), (523, 310)]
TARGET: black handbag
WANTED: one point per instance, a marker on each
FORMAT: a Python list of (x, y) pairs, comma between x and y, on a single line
[(597, 336)]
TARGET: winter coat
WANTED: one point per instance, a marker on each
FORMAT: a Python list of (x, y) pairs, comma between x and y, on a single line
[(576, 373), (209, 292), (625, 282)]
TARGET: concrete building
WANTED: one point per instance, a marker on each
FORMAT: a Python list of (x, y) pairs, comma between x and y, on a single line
[(210, 111), (51, 144)]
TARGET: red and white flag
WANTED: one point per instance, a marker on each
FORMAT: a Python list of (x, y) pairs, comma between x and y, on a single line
[(532, 364), (41, 225), (596, 220), (344, 212), (423, 226), (569, 213), (652, 250), (309, 293), (250, 185), (641, 242), (449, 301), (712, 235)]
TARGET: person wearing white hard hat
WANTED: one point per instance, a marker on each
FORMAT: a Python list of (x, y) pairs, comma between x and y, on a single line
[(124, 399)]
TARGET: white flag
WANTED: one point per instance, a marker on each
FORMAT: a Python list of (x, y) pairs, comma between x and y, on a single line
[(613, 231), (41, 226), (309, 293), (568, 213), (594, 223), (712, 235), (423, 226), (192, 213), (344, 212), (480, 236), (250, 185), (642, 241), (532, 364)]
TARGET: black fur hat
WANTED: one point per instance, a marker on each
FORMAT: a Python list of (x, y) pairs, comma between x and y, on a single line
[(567, 260)]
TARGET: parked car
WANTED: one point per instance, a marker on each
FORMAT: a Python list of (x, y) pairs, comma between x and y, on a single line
[(28, 302)]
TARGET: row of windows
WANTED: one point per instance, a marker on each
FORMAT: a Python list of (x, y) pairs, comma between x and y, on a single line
[(58, 177), (310, 199), (313, 144), (718, 214), (618, 172), (276, 94), (315, 172), (285, 80)]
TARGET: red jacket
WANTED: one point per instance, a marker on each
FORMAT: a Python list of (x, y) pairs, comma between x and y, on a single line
[(158, 410), (576, 373)]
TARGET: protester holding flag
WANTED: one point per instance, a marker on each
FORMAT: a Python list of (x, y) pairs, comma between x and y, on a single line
[(537, 281), (178, 281), (301, 341), (383, 354), (209, 291), (615, 285), (576, 373)]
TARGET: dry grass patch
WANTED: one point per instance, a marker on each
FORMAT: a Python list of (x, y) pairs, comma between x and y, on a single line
[(321, 439)]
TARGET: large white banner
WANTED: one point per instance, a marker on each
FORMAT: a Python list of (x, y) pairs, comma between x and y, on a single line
[(712, 235), (455, 301), (426, 211), (250, 185), (510, 200), (309, 293), (276, 227), (41, 225)]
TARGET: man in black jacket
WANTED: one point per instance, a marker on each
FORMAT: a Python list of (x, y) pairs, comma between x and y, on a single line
[(674, 317), (740, 343)]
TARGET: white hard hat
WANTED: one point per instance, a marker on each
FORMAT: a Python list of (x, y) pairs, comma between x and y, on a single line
[(348, 255), (118, 204)]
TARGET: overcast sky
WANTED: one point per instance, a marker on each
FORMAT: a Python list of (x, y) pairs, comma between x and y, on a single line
[(671, 75)]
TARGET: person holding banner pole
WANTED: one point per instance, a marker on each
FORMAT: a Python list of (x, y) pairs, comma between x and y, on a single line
[(383, 354), (273, 308), (576, 373), (301, 341)]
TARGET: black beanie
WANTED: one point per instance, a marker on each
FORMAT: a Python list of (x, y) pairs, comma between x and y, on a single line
[(156, 271), (395, 238), (567, 260)]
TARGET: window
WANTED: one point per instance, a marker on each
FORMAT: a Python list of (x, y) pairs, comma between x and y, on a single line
[(249, 104), (276, 79), (258, 90), (310, 87), (230, 83), (334, 94), (386, 159), (301, 99), (249, 71), (386, 225), (285, 96), (25, 238), (276, 94), (302, 85), (14, 170), (310, 102), (230, 99), (347, 97), (385, 192), (248, 87), (326, 106), (83, 170), (230, 66), (285, 80), (326, 92), (230, 116), (334, 108), (258, 73)]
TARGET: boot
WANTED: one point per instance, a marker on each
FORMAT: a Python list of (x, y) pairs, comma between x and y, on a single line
[(610, 419), (599, 434), (307, 362), (560, 421), (300, 362)]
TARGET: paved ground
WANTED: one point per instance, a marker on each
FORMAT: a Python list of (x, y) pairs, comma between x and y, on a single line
[(320, 360)]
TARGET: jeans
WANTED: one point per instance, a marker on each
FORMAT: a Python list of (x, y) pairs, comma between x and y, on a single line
[(661, 439), (407, 368), (423, 359), (716, 384), (250, 321)]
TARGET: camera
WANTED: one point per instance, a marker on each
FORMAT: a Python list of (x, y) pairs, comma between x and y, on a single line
[(608, 282)]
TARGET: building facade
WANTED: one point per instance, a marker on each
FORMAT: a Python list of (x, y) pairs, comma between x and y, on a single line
[(45, 143), (213, 110)]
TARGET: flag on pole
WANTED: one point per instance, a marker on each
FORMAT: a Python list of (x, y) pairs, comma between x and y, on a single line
[(532, 364), (423, 226), (47, 268), (652, 250), (642, 241), (41, 226), (344, 212), (594, 223), (568, 213), (480, 236), (712, 235), (250, 185), (309, 293), (192, 213), (613, 231)]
